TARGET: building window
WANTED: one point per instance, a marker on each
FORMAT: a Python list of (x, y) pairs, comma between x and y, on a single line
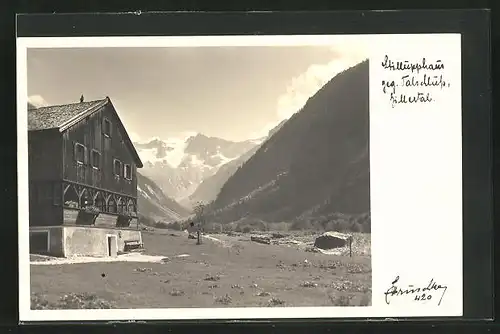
[(117, 167), (80, 153), (127, 172), (96, 159), (106, 127)]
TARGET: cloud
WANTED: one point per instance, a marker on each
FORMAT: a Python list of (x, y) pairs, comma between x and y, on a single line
[(305, 85), (134, 137), (264, 131), (38, 101), (346, 53)]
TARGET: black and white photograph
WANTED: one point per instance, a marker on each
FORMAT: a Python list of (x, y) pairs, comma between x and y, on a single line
[(239, 177), (199, 176)]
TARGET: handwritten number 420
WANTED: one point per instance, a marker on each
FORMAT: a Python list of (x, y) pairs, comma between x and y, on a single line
[(423, 297)]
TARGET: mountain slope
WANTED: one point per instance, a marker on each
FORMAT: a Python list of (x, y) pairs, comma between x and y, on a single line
[(317, 162), (208, 190), (178, 166), (153, 203)]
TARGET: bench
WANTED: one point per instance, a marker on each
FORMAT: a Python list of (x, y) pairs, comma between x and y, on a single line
[(132, 244)]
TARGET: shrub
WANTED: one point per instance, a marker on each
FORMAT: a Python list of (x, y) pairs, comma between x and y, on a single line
[(161, 225), (212, 278), (282, 226), (176, 226), (247, 225), (229, 227), (247, 229), (308, 284), (71, 301), (145, 220), (92, 209), (275, 302), (300, 224), (332, 226), (176, 293), (225, 300), (39, 303), (355, 227), (71, 204), (339, 300), (343, 226), (213, 227)]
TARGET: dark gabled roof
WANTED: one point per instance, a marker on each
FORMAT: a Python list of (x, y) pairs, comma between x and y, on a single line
[(62, 117), (53, 117)]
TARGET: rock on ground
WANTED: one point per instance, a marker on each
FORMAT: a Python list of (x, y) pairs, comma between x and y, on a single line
[(329, 240), (262, 240)]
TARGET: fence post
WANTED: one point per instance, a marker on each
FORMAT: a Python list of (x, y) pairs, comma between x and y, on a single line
[(350, 246)]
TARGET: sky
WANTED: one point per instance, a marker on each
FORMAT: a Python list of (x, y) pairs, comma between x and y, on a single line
[(235, 93)]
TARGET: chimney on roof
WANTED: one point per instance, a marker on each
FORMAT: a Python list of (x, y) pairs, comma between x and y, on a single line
[(81, 98)]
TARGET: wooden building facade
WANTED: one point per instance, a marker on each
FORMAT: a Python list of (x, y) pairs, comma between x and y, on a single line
[(82, 168)]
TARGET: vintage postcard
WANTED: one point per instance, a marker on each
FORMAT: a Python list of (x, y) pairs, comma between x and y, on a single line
[(240, 177)]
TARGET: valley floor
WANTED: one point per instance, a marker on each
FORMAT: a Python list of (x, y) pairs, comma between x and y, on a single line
[(224, 271)]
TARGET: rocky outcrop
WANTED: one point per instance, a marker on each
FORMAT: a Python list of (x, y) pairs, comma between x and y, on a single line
[(330, 240)]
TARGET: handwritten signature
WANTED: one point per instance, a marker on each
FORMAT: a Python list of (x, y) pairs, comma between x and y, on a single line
[(418, 293)]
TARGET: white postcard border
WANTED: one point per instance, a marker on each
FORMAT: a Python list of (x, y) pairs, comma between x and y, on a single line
[(394, 233)]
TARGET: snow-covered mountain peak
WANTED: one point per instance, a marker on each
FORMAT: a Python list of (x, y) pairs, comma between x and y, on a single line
[(179, 164)]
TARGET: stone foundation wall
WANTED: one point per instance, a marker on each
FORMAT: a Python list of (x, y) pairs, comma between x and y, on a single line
[(93, 241), (67, 241)]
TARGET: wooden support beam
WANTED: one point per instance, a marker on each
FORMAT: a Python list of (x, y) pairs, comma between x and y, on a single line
[(77, 191), (122, 203), (82, 191), (96, 188), (65, 188), (107, 198)]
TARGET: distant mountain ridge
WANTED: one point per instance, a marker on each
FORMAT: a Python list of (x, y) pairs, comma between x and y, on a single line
[(208, 190), (153, 203), (316, 163), (179, 165)]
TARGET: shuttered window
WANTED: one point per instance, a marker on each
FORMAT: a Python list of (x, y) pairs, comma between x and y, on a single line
[(117, 167), (80, 153), (106, 127), (95, 159), (127, 172)]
